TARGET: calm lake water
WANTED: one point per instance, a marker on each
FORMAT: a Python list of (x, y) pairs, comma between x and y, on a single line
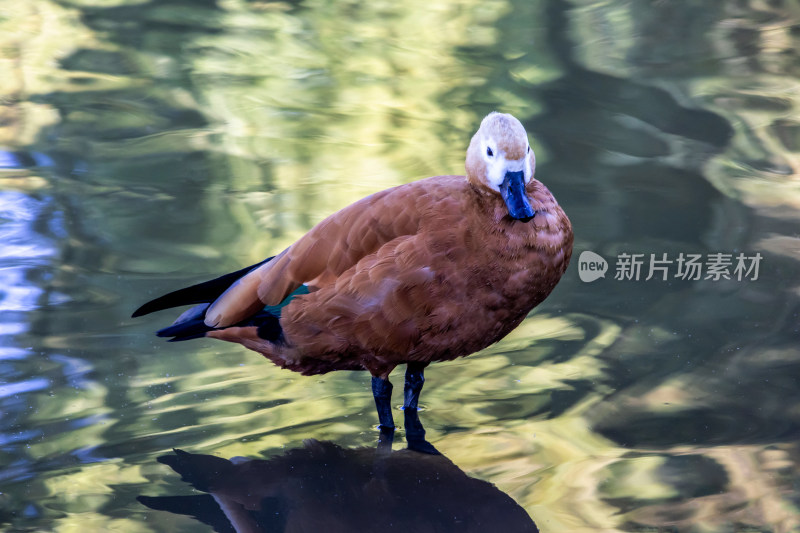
[(147, 145)]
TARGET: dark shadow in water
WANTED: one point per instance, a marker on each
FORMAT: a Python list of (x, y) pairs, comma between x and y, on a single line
[(324, 487)]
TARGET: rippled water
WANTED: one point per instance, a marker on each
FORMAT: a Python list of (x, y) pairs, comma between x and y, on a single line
[(148, 145)]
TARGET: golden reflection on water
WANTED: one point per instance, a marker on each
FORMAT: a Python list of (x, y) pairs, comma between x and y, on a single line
[(148, 145)]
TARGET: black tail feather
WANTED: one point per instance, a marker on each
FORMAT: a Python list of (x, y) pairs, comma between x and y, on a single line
[(191, 324), (195, 327), (187, 338), (269, 327), (205, 292)]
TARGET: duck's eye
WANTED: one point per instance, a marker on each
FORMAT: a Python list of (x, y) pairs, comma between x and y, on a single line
[(529, 149), (489, 152)]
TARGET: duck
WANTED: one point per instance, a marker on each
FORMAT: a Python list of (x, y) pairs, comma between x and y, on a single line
[(428, 271)]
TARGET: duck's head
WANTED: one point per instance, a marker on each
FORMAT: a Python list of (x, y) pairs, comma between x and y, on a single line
[(500, 161)]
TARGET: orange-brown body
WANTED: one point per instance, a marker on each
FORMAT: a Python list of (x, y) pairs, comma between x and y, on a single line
[(423, 272), (427, 271)]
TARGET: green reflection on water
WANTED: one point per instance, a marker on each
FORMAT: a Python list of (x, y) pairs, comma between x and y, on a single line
[(148, 145)]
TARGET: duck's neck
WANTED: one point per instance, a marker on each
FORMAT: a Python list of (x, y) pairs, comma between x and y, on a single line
[(493, 209)]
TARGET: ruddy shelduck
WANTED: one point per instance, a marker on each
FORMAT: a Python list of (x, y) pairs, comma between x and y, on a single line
[(427, 271)]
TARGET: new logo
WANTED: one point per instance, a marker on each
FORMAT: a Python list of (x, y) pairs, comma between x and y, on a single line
[(591, 266)]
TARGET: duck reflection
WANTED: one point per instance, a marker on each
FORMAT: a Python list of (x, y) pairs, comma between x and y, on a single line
[(324, 487)]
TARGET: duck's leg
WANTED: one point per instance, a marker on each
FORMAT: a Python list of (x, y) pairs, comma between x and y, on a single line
[(382, 392), (415, 433), (415, 379)]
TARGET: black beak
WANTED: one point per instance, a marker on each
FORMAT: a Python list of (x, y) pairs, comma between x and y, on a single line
[(513, 191)]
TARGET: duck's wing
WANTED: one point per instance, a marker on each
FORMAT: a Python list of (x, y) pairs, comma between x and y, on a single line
[(330, 248), (201, 293)]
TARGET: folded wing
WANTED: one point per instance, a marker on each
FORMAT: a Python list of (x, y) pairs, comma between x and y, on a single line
[(325, 252)]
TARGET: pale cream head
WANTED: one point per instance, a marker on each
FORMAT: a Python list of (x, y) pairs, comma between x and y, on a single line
[(499, 146)]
